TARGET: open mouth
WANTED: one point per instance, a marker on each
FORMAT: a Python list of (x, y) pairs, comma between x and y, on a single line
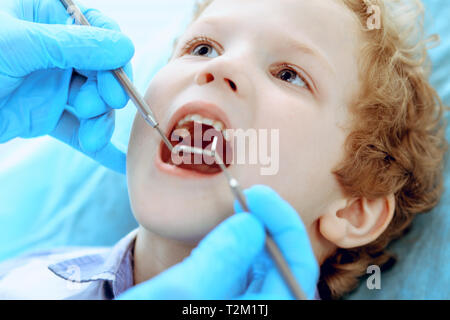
[(196, 125)]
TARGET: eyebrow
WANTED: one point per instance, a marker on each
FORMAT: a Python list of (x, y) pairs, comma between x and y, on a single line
[(298, 46)]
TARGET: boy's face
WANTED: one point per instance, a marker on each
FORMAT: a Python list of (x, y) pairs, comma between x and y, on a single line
[(265, 64)]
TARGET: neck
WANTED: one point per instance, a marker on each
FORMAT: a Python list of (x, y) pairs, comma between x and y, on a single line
[(153, 254)]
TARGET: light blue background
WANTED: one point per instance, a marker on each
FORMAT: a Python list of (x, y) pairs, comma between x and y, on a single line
[(423, 270), (53, 196)]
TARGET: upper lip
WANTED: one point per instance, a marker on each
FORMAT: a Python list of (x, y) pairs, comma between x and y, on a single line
[(203, 108)]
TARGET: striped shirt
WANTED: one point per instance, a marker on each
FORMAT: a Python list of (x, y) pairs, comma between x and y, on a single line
[(100, 273)]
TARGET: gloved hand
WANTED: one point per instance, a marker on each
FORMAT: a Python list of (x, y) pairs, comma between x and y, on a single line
[(54, 79), (231, 263)]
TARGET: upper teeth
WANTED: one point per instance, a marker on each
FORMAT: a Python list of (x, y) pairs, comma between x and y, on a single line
[(217, 125)]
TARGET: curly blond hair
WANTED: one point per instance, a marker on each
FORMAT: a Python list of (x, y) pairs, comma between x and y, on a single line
[(397, 139)]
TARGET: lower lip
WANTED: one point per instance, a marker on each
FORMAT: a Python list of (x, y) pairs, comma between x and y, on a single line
[(182, 173)]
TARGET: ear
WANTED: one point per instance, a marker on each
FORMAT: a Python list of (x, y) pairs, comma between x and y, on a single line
[(356, 222)]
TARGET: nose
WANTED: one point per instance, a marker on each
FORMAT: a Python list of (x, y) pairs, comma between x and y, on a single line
[(208, 77), (223, 73)]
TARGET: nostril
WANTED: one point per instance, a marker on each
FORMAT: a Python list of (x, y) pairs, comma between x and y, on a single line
[(209, 78), (231, 84)]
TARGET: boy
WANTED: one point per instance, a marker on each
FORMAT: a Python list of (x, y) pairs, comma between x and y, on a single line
[(361, 139)]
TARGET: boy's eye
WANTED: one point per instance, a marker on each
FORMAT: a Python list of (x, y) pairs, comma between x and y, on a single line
[(202, 46), (204, 50), (291, 76)]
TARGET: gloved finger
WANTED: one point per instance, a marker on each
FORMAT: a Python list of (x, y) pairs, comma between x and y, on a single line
[(67, 131), (98, 19), (53, 12), (280, 218), (95, 133), (88, 103), (65, 47), (288, 231), (110, 89), (97, 119), (108, 86), (216, 269), (35, 106), (76, 83)]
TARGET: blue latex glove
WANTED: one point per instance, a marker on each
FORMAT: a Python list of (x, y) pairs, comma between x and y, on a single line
[(220, 266), (54, 79)]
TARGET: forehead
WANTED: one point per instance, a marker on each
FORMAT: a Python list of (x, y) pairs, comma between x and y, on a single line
[(286, 12), (326, 22), (286, 7)]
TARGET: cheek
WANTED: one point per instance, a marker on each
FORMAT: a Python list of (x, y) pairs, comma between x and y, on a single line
[(316, 183), (311, 144), (158, 91), (167, 83), (134, 165)]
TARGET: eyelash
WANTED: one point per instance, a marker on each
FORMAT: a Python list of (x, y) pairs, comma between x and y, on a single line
[(199, 41), (196, 41), (285, 66)]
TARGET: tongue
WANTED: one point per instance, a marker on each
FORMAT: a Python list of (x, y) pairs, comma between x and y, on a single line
[(200, 168), (191, 134)]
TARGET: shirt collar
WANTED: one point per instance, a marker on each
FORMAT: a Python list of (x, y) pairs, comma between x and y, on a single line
[(115, 265)]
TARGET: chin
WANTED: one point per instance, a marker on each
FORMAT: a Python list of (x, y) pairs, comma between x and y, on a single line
[(177, 217)]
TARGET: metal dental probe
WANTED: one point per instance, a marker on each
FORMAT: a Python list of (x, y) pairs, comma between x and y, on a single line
[(121, 76), (271, 246), (149, 117)]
